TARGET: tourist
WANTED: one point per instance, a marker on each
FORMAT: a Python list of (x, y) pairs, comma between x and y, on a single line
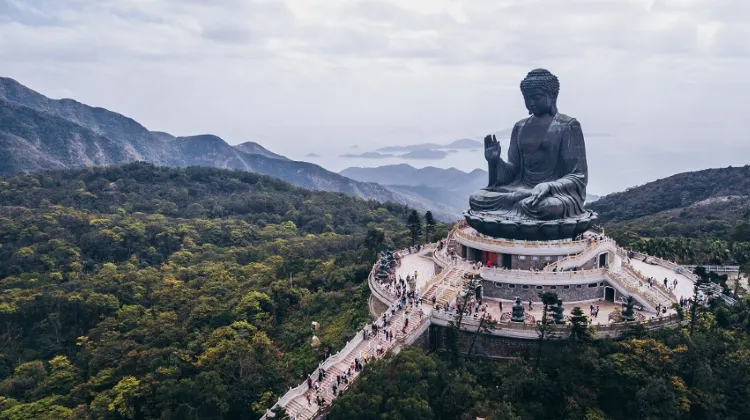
[(309, 382), (500, 304), (530, 306), (309, 404), (666, 282)]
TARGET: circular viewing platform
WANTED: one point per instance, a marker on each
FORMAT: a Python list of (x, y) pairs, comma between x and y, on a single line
[(469, 237), (590, 268)]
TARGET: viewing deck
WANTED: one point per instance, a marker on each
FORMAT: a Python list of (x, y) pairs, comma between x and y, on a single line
[(442, 278), (467, 236)]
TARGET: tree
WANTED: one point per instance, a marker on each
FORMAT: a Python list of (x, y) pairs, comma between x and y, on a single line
[(580, 332), (545, 327), (414, 223), (486, 326), (280, 413), (694, 307), (429, 226), (744, 269), (374, 240)]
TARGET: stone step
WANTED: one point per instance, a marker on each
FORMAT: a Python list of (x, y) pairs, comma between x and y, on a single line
[(301, 410)]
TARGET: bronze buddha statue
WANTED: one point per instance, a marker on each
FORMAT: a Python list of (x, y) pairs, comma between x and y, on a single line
[(539, 192)]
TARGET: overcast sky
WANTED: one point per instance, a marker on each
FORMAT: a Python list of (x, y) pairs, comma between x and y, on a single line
[(666, 79)]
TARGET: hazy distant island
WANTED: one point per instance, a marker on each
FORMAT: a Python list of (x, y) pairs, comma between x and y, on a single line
[(425, 154), (368, 155), (457, 144)]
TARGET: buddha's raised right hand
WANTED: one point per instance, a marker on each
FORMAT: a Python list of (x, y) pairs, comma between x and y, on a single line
[(491, 148)]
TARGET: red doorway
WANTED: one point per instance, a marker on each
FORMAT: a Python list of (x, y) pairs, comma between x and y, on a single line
[(489, 258)]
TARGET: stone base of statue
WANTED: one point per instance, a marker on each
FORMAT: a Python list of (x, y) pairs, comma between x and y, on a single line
[(499, 226)]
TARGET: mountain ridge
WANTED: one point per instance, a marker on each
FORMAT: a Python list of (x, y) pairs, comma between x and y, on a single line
[(40, 133), (449, 186)]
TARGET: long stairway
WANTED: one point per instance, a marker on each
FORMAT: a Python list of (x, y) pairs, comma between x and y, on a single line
[(298, 406)]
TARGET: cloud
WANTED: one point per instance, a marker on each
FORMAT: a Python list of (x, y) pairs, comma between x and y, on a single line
[(385, 72)]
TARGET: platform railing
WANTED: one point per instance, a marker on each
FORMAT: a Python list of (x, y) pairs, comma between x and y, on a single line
[(591, 251), (594, 273), (516, 243), (471, 323)]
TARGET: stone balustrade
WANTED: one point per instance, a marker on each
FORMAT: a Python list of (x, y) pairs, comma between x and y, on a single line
[(594, 248), (469, 237), (541, 277), (520, 330)]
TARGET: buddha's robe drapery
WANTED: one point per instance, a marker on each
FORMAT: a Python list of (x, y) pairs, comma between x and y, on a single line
[(553, 154)]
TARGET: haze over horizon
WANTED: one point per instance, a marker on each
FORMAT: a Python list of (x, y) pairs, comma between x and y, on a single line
[(661, 77)]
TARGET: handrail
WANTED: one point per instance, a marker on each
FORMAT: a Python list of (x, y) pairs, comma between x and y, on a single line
[(543, 275), (634, 290), (714, 268), (620, 327), (302, 388), (667, 264), (341, 354), (517, 243), (583, 256), (660, 287)]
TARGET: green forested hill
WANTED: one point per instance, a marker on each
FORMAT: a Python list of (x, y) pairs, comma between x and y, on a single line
[(692, 217), (675, 192), (138, 292)]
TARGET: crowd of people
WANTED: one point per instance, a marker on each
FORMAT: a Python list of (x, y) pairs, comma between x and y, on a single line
[(384, 327)]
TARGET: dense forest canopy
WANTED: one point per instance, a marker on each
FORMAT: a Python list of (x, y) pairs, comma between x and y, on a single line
[(670, 375), (138, 292)]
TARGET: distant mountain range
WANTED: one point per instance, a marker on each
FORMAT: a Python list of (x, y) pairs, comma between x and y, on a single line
[(39, 133), (451, 187)]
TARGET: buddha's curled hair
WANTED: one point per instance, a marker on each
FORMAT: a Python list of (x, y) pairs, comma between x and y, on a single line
[(542, 79)]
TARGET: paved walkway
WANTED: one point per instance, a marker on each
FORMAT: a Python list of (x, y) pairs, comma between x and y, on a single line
[(684, 284), (298, 404), (411, 263)]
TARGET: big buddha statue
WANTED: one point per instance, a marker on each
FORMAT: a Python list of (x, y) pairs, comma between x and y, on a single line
[(539, 192)]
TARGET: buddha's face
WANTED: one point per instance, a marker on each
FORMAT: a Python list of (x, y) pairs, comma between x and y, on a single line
[(538, 102)]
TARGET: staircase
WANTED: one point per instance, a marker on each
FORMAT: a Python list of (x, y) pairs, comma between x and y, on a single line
[(297, 404), (649, 296), (595, 248), (447, 289)]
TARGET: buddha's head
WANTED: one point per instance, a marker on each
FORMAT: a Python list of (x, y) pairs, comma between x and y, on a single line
[(540, 89)]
